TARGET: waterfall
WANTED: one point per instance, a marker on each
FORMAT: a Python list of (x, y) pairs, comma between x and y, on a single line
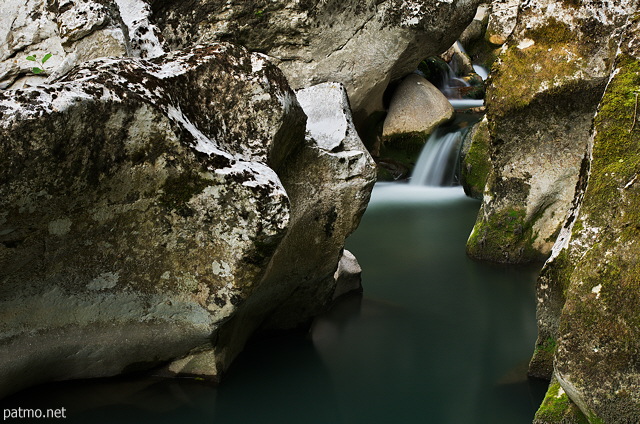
[(438, 161)]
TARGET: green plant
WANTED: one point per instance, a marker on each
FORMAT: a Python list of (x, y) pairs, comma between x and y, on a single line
[(41, 69), (259, 13)]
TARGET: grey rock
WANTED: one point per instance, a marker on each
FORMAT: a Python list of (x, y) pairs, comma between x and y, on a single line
[(588, 294), (417, 107), (139, 207), (362, 44)]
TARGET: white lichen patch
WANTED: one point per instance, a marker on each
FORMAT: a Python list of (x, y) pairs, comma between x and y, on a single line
[(525, 44), (60, 227), (221, 269), (104, 281)]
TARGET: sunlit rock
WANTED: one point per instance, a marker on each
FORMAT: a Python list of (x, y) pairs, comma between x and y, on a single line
[(417, 108)]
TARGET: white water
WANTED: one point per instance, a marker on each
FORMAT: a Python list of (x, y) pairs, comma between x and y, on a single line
[(436, 165)]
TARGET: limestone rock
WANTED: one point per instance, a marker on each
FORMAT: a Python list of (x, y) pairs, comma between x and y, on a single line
[(502, 20), (329, 184), (139, 207), (539, 132), (588, 294), (361, 43), (73, 32), (348, 276), (417, 108)]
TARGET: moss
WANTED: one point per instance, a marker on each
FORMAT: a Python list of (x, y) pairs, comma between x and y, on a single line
[(558, 408), (505, 236), (476, 164), (523, 73), (553, 32)]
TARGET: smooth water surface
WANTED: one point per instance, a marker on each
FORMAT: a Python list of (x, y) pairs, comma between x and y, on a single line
[(436, 338)]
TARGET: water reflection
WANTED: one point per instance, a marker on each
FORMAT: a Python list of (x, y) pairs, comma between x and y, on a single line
[(437, 338)]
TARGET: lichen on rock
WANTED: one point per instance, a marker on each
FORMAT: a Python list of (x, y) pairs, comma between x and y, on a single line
[(590, 294), (141, 206), (538, 130)]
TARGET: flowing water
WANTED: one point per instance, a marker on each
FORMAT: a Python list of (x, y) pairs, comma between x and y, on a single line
[(436, 338)]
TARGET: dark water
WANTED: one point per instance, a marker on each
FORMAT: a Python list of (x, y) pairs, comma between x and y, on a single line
[(436, 338)]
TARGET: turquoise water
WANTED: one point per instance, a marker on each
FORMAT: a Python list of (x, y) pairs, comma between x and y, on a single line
[(436, 338)]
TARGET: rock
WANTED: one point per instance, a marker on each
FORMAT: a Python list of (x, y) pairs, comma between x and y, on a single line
[(362, 44), (476, 29), (588, 293), (476, 160), (539, 132), (348, 276), (417, 108), (329, 184), (502, 20), (140, 207), (458, 59), (73, 32)]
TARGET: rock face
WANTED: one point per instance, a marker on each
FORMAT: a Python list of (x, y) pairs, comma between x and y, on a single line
[(73, 32), (539, 131), (147, 204), (589, 290), (363, 44), (417, 108)]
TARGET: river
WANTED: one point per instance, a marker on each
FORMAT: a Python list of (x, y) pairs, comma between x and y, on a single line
[(436, 338)]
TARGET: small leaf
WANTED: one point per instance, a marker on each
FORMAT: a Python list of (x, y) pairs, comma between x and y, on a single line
[(31, 58), (37, 70), (46, 57)]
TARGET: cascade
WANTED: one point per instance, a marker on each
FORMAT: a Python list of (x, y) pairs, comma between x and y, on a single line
[(438, 162)]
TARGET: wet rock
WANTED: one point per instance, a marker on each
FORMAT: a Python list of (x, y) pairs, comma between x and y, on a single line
[(363, 44), (140, 207), (539, 132), (417, 108)]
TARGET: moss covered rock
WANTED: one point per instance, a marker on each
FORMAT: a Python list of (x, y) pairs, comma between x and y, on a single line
[(557, 53), (589, 291), (476, 161)]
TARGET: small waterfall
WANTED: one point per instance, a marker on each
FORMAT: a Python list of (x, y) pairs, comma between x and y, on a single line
[(438, 161)]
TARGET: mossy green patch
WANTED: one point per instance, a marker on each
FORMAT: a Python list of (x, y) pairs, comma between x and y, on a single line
[(525, 71), (476, 164), (558, 408), (505, 236)]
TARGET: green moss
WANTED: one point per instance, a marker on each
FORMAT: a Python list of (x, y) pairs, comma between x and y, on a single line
[(505, 236), (553, 32), (476, 164), (558, 408), (525, 72)]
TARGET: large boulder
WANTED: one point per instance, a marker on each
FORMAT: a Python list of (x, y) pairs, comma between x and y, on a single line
[(363, 44), (417, 108), (146, 204), (589, 291), (559, 52)]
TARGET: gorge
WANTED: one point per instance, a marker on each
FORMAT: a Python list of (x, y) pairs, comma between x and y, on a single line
[(181, 184)]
